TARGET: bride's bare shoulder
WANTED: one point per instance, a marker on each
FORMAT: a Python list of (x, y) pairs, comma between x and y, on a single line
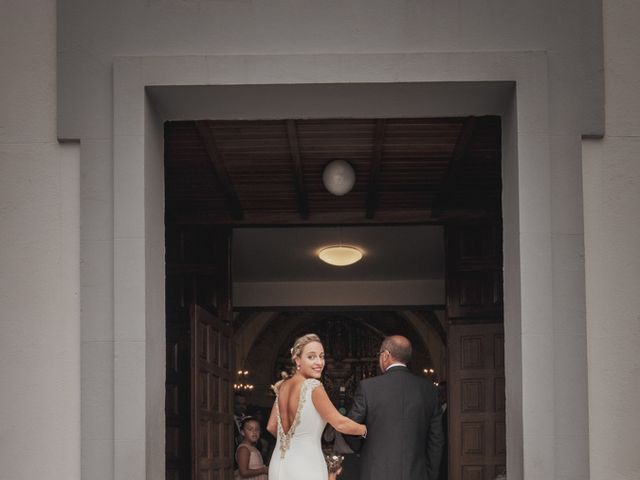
[(282, 385), (313, 383), (285, 387), (288, 383)]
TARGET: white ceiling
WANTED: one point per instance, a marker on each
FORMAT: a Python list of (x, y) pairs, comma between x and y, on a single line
[(290, 253)]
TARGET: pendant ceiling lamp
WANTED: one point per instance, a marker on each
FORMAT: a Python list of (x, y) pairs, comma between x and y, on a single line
[(340, 255), (338, 177)]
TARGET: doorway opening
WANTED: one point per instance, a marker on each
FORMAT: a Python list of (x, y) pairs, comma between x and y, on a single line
[(226, 178)]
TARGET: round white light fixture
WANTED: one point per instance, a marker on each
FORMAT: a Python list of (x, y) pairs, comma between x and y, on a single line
[(338, 177), (340, 255)]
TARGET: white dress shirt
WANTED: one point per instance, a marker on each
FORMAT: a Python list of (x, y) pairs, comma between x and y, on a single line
[(396, 365)]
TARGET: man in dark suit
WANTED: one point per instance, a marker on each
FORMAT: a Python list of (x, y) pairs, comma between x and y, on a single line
[(403, 417)]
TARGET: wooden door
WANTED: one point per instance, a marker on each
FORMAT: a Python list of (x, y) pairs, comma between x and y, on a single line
[(212, 395), (477, 436), (476, 402), (199, 440), (177, 408)]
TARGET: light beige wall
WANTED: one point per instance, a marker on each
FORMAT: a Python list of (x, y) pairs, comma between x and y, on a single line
[(398, 292), (611, 169), (94, 31), (39, 257)]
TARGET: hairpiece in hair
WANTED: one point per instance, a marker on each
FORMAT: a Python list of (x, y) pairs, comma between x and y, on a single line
[(246, 419)]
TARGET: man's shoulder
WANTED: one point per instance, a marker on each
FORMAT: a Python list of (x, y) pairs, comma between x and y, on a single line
[(371, 382), (388, 377), (419, 387), (402, 374)]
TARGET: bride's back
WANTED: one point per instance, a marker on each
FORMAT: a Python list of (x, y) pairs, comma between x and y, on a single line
[(299, 432), (288, 401)]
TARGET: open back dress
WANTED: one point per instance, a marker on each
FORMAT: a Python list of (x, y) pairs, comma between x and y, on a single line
[(298, 452)]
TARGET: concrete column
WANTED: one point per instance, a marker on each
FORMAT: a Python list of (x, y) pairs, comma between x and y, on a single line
[(612, 235), (39, 256)]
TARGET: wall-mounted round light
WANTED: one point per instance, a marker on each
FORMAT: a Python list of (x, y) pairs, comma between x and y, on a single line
[(340, 255), (338, 177)]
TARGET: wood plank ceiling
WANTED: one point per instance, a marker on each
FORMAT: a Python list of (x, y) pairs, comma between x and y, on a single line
[(408, 170)]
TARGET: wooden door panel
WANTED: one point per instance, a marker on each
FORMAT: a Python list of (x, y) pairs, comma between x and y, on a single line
[(177, 432), (212, 409), (474, 271), (473, 472), (472, 395), (500, 438), (473, 438), (476, 402)]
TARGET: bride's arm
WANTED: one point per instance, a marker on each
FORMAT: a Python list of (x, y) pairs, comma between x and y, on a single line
[(332, 416), (272, 424)]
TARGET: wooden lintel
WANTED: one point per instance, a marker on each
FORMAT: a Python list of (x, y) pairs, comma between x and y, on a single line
[(342, 217), (217, 162), (374, 173), (298, 170), (456, 165)]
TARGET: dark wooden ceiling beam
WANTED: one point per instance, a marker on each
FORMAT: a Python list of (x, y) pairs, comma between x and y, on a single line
[(217, 162), (374, 173), (456, 165), (298, 170)]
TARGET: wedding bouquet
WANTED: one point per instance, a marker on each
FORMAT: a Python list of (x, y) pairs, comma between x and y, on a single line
[(334, 462)]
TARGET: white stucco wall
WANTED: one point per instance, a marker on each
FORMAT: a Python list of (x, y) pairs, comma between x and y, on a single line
[(611, 170), (92, 32), (39, 257)]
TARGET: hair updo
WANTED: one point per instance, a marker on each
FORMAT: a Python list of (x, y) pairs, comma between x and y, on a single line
[(302, 342), (296, 351)]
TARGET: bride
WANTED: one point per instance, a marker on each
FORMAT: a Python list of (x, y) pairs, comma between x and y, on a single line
[(300, 412)]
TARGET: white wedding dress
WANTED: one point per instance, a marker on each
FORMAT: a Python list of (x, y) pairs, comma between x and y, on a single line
[(298, 452)]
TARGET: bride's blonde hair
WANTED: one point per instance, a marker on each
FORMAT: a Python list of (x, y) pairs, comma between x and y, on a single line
[(296, 351)]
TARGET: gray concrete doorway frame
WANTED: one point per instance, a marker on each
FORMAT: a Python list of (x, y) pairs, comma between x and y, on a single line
[(139, 227)]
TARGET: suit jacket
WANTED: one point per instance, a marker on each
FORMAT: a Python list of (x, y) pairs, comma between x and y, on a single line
[(404, 427)]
